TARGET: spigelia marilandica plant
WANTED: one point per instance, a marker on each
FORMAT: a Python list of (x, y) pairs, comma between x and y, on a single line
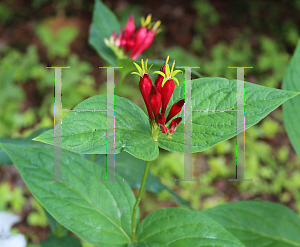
[(157, 96), (131, 40)]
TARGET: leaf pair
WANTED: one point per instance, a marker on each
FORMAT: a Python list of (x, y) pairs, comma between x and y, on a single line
[(213, 119), (99, 212)]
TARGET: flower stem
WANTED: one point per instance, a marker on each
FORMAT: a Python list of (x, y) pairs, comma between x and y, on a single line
[(136, 205), (119, 85)]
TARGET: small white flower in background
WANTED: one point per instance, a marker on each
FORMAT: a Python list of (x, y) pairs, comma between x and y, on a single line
[(7, 220)]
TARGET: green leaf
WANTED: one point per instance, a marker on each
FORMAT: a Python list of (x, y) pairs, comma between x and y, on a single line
[(181, 228), (27, 141), (99, 212), (144, 244), (210, 128), (61, 242), (132, 170), (85, 132), (104, 22), (291, 109), (258, 224)]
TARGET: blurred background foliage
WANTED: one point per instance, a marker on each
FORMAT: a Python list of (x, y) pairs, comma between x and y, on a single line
[(210, 34)]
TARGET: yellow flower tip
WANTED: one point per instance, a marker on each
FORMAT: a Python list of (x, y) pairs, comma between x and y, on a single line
[(143, 67), (148, 19), (157, 24), (167, 60), (172, 67)]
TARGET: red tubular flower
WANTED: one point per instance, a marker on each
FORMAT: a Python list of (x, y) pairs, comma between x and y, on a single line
[(130, 43), (136, 41), (139, 47), (161, 118), (160, 78), (176, 108), (130, 27), (166, 92), (163, 128), (139, 38), (145, 88), (122, 39), (155, 101), (174, 124), (157, 97)]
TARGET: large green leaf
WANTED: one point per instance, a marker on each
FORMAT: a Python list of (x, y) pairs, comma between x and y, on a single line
[(259, 224), (26, 141), (85, 132), (99, 212), (210, 128), (132, 170), (180, 228), (291, 108), (104, 22)]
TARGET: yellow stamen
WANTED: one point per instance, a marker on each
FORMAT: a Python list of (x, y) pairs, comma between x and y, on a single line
[(143, 65), (156, 25), (148, 19), (167, 60), (172, 67)]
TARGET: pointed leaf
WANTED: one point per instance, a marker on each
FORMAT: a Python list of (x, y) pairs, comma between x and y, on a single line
[(259, 224), (104, 22), (291, 108), (24, 141), (99, 212), (210, 128), (85, 132), (176, 227)]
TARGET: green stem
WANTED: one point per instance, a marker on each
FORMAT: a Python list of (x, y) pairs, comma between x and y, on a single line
[(136, 205), (119, 85)]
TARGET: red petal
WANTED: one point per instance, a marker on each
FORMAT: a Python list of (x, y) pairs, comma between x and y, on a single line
[(147, 41), (139, 38), (155, 101), (161, 118), (145, 88), (130, 27), (130, 43), (122, 38), (174, 124), (160, 78), (176, 108), (163, 128), (166, 93)]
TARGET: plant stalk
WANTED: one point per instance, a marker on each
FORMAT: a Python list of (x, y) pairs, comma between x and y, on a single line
[(119, 85), (136, 205)]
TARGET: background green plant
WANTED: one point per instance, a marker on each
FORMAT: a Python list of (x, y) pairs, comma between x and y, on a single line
[(264, 41)]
